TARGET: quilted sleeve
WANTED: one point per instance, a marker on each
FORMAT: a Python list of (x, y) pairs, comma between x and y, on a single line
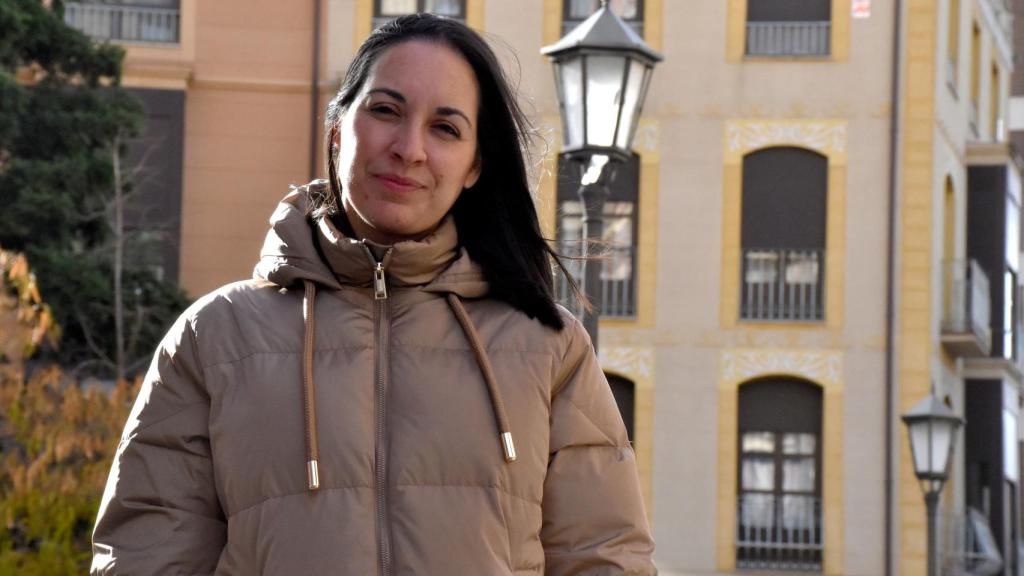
[(160, 513), (594, 520)]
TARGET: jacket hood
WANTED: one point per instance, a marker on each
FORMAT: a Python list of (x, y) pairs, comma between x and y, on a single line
[(298, 248)]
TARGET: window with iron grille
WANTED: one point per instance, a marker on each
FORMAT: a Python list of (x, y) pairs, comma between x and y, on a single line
[(783, 235), (779, 515), (385, 10), (576, 11), (136, 21), (789, 27), (618, 248)]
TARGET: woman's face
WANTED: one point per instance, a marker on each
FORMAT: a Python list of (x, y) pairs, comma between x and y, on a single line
[(407, 145)]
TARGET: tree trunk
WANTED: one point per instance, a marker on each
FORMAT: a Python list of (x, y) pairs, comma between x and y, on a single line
[(119, 360)]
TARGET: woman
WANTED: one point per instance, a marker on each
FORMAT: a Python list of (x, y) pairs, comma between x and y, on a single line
[(396, 391)]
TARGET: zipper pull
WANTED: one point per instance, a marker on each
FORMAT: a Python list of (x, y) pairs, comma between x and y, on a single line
[(380, 287)]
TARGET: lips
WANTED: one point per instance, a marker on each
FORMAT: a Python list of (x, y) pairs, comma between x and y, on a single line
[(398, 183)]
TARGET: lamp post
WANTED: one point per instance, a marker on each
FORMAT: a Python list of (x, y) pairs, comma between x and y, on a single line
[(932, 428), (602, 70)]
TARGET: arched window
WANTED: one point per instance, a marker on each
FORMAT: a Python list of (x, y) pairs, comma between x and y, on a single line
[(779, 508), (618, 266), (624, 392), (384, 10), (785, 192)]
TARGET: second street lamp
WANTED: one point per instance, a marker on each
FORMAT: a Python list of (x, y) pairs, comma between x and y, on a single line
[(932, 427), (602, 71)]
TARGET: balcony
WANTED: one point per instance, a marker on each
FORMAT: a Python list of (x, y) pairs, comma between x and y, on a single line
[(801, 39), (782, 285), (124, 22), (618, 283), (779, 532), (967, 545), (966, 323)]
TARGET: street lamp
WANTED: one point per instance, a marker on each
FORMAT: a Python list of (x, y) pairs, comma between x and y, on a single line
[(932, 426), (602, 70)]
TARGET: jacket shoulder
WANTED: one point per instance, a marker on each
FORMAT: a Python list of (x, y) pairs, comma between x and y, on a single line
[(236, 319)]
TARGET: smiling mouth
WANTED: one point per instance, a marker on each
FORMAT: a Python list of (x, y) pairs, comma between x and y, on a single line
[(398, 183)]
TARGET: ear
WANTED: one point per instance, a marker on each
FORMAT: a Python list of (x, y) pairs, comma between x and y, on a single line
[(474, 172), (335, 136)]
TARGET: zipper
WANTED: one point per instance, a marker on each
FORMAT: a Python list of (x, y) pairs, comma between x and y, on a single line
[(381, 370)]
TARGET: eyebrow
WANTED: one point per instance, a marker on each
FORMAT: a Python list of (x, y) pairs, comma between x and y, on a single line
[(442, 110)]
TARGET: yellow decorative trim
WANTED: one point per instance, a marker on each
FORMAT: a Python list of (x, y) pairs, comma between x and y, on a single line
[(822, 367), (475, 14), (735, 31), (552, 22), (653, 23), (362, 22), (736, 34), (826, 137), (741, 365), (919, 186), (633, 363)]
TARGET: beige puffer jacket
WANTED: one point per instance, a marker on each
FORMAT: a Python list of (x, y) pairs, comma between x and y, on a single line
[(337, 415)]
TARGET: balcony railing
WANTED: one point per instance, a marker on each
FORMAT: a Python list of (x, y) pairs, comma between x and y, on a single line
[(618, 281), (967, 547), (781, 284), (779, 532), (788, 38), (966, 323), (124, 22)]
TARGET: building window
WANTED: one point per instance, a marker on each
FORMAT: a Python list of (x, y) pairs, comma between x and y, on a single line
[(385, 10), (143, 21), (789, 27), (624, 392), (779, 515), (576, 11), (618, 264), (783, 235), (995, 105)]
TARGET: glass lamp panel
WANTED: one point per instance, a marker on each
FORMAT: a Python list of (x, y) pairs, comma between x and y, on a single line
[(569, 79), (631, 104), (942, 439), (604, 97), (397, 7), (919, 445)]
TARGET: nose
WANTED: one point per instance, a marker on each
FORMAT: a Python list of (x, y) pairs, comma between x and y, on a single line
[(408, 144)]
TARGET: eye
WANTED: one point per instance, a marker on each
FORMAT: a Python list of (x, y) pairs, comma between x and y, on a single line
[(383, 109), (448, 129)]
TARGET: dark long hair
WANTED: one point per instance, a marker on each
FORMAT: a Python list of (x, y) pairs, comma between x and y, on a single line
[(496, 218)]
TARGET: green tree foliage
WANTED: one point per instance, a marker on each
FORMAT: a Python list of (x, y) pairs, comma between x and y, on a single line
[(62, 113), (56, 440)]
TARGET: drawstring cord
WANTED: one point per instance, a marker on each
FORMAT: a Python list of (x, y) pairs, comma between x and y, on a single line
[(497, 403), (309, 389)]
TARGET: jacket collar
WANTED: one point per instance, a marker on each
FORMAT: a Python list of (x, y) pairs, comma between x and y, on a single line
[(299, 248)]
